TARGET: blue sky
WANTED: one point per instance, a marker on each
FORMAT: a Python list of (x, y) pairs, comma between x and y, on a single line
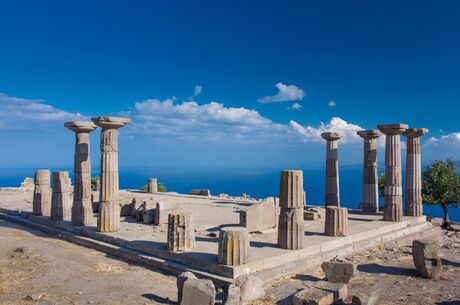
[(226, 82)]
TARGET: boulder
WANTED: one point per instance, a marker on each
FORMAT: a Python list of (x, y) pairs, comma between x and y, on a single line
[(181, 279), (426, 258), (338, 270), (198, 292), (251, 288)]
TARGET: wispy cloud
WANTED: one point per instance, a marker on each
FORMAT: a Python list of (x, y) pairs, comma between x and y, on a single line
[(451, 138), (332, 104), (295, 106), (286, 93)]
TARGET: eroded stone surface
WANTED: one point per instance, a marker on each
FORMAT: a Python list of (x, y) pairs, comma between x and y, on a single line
[(198, 291), (181, 234), (338, 270), (426, 258)]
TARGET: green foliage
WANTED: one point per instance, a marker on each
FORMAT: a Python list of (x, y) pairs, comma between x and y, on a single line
[(441, 186), (381, 184), (161, 187), (93, 183)]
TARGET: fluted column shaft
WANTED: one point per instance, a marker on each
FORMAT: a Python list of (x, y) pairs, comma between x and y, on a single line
[(393, 180), (332, 168), (413, 190), (41, 204), (109, 207), (370, 191)]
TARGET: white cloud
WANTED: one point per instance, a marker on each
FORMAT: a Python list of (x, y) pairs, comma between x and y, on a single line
[(21, 113), (197, 91), (313, 134), (295, 106), (451, 138), (285, 93), (332, 104)]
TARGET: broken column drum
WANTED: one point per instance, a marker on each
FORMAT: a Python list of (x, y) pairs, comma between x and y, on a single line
[(370, 192), (181, 234), (336, 221), (41, 204), (233, 246), (152, 186), (290, 223), (392, 209), (332, 168), (109, 209), (82, 210), (61, 202), (413, 190)]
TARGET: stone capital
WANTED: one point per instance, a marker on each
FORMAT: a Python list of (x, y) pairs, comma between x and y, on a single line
[(110, 122), (393, 129), (331, 136), (415, 132), (80, 126), (369, 134)]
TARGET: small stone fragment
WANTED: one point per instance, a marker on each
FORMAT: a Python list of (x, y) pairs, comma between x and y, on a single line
[(426, 258), (251, 288), (198, 292), (338, 271), (181, 279), (323, 293)]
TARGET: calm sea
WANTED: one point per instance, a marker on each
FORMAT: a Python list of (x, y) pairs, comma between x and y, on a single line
[(256, 182)]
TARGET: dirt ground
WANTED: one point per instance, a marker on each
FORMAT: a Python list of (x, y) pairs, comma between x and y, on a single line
[(37, 269)]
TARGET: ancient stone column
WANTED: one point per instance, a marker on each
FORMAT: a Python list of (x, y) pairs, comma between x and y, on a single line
[(290, 222), (181, 233), (413, 190), (392, 209), (82, 210), (370, 193), (336, 221), (108, 219), (152, 186), (61, 201), (98, 184), (41, 204), (332, 168), (233, 246)]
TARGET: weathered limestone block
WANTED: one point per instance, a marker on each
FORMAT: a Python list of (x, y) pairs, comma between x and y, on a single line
[(163, 209), (290, 229), (251, 288), (338, 270), (61, 199), (201, 193), (109, 208), (233, 295), (370, 193), (233, 246), (291, 189), (314, 213), (198, 291), (426, 258), (82, 212), (332, 168), (42, 193), (413, 190), (336, 222), (260, 216), (152, 185), (181, 279), (125, 208), (181, 234), (322, 293), (392, 209)]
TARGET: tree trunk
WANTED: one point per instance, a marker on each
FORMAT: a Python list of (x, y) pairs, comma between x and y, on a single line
[(446, 216)]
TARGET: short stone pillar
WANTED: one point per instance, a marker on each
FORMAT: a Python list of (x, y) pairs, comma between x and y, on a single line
[(108, 219), (370, 193), (233, 246), (41, 204), (392, 209), (152, 186), (61, 201), (332, 168), (290, 222), (336, 221), (82, 210), (413, 190), (181, 233), (98, 184)]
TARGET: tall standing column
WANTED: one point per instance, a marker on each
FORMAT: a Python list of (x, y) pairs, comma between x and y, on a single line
[(413, 190), (332, 168), (108, 219), (82, 210), (392, 209), (370, 194)]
